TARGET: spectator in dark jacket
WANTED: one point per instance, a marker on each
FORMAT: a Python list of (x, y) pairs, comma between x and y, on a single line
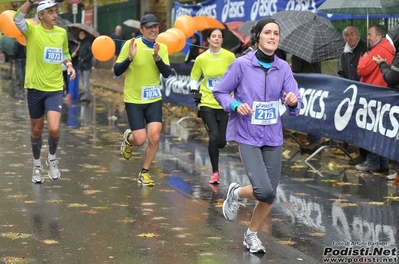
[(355, 47), (195, 48), (20, 64), (84, 64)]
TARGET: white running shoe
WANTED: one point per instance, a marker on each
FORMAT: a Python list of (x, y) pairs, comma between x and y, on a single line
[(53, 171), (231, 205), (37, 176), (253, 244)]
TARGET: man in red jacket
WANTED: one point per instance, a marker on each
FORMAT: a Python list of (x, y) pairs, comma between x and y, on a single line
[(378, 45), (370, 73)]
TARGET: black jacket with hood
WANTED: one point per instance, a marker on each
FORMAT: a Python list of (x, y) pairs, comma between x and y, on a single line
[(391, 72)]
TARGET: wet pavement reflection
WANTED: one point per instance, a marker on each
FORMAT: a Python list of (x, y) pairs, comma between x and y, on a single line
[(97, 213)]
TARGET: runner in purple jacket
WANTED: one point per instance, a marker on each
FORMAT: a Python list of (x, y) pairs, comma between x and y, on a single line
[(259, 81)]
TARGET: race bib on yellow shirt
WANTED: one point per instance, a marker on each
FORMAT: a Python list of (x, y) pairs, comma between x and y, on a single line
[(53, 55), (265, 113), (150, 92), (212, 82)]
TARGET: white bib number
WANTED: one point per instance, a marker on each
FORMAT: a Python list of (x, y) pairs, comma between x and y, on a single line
[(150, 92), (265, 113), (53, 55), (212, 82)]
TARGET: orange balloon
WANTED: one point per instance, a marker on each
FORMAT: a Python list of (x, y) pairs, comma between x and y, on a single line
[(21, 40), (180, 36), (103, 48), (186, 24), (8, 26), (170, 40)]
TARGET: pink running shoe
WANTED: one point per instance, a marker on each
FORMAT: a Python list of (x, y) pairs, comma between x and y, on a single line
[(215, 178)]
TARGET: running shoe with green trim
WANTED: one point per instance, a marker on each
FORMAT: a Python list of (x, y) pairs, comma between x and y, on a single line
[(126, 147)]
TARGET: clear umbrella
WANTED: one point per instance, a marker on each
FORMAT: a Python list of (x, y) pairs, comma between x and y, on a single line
[(360, 7), (132, 23)]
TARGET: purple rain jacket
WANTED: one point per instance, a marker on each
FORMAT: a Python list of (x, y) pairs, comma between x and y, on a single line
[(249, 82)]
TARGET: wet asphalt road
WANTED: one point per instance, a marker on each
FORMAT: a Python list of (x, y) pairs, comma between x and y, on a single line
[(97, 213)]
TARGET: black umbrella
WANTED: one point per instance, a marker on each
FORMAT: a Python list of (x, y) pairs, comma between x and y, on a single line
[(75, 28), (308, 36)]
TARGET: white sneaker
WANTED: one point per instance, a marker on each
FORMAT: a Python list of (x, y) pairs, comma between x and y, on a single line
[(37, 176), (253, 244), (231, 205), (53, 171), (392, 176)]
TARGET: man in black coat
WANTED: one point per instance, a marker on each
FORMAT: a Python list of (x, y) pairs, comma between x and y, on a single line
[(84, 64), (355, 47)]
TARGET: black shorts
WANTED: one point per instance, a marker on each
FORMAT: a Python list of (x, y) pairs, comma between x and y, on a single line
[(40, 102), (139, 115)]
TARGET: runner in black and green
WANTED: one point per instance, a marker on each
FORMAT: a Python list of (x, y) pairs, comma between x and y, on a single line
[(46, 50), (143, 60)]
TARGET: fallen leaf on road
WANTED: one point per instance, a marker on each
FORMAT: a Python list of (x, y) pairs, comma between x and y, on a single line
[(54, 201), (347, 204), (91, 191), (376, 203), (13, 235), (49, 241), (286, 154), (127, 221), (91, 211), (166, 190), (297, 167), (147, 235), (302, 179), (338, 184), (12, 260), (318, 234), (287, 242), (76, 205)]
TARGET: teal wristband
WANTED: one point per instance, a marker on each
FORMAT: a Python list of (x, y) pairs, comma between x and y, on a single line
[(234, 105)]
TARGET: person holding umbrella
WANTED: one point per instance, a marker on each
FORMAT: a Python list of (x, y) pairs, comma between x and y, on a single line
[(258, 81), (84, 55), (46, 50)]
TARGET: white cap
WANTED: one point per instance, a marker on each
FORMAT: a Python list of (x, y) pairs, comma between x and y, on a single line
[(44, 5)]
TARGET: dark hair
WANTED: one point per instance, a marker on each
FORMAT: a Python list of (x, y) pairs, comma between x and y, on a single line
[(212, 30), (252, 37), (379, 29), (260, 24)]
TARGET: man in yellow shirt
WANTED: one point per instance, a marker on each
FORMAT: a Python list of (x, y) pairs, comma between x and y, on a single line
[(143, 60), (46, 50)]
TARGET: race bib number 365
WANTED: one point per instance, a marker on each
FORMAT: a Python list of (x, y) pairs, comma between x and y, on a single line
[(53, 55), (265, 113)]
